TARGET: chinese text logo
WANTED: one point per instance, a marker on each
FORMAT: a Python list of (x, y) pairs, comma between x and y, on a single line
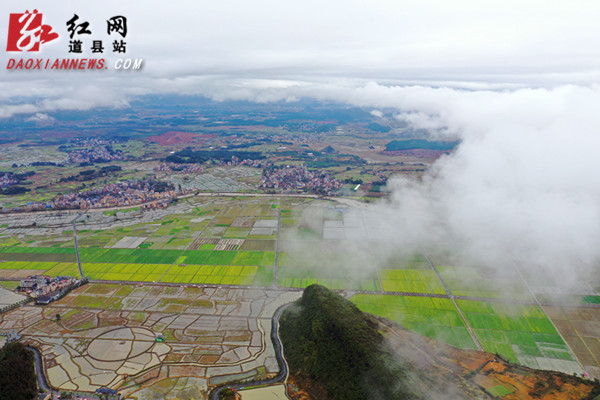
[(26, 32)]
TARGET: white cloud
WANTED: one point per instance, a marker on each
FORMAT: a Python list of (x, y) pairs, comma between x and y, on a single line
[(41, 118), (521, 186), (491, 44)]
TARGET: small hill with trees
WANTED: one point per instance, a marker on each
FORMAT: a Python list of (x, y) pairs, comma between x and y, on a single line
[(327, 338), (17, 373)]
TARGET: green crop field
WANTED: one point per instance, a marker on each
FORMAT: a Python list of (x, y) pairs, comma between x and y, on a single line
[(517, 332), (411, 281), (436, 318), (303, 277), (207, 271), (415, 262), (483, 282)]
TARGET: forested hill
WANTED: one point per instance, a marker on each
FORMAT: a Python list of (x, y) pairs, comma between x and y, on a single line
[(327, 338)]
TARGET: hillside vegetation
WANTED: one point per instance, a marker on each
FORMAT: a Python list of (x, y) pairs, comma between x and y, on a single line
[(328, 338)]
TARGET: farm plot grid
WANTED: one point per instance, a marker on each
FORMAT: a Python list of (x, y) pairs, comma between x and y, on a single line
[(436, 318), (233, 242), (520, 333), (226, 241), (142, 265), (581, 329)]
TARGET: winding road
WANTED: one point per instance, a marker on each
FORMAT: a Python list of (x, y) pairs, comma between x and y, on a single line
[(39, 370), (283, 367)]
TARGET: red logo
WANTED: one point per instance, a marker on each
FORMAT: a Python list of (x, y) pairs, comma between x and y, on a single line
[(26, 32)]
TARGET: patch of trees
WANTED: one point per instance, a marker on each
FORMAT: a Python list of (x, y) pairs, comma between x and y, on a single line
[(245, 145), (327, 339), (45, 164), (23, 175), (111, 168), (378, 128), (422, 144), (14, 180), (161, 186), (335, 161), (99, 160), (11, 190), (354, 181), (189, 156), (17, 373), (90, 174), (329, 150), (288, 153)]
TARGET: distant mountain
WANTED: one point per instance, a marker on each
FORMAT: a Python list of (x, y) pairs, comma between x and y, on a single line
[(335, 351), (328, 150)]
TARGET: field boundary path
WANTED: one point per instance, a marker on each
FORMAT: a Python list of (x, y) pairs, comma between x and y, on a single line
[(451, 297)]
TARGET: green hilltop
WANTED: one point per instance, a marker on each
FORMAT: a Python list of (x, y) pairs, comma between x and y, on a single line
[(328, 339)]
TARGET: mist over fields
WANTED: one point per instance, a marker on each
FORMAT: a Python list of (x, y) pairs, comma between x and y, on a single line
[(520, 188)]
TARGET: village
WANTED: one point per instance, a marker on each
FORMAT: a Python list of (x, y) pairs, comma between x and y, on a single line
[(7, 179), (45, 289), (151, 193), (299, 178), (92, 150)]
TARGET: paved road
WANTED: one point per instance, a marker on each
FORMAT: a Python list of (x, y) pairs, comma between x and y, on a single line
[(283, 367), (39, 370)]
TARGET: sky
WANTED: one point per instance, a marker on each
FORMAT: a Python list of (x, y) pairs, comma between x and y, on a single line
[(238, 48), (516, 81)]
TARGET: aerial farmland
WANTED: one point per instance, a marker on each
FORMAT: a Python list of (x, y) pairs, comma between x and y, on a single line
[(193, 289)]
